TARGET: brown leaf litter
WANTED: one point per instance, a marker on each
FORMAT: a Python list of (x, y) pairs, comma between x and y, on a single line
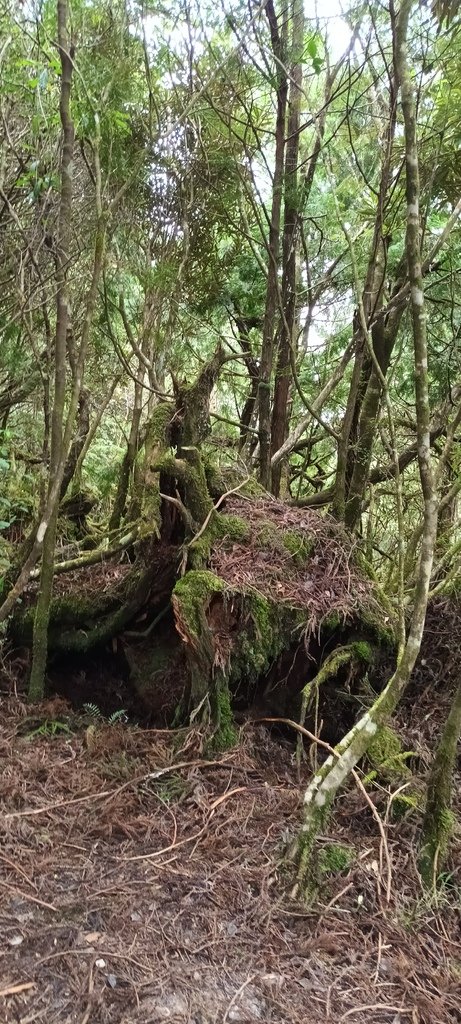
[(142, 881), (326, 582)]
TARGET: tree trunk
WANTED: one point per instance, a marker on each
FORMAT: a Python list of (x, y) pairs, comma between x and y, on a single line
[(438, 819), (383, 346), (287, 333), (37, 677), (359, 424), (129, 458), (82, 431), (324, 785), (267, 350)]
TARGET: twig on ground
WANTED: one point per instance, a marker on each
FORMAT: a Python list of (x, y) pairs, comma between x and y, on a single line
[(237, 994), (86, 1015), (376, 1006), (14, 990), (109, 793), (27, 896), (382, 831)]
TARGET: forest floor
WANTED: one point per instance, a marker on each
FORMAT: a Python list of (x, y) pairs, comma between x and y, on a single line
[(142, 881)]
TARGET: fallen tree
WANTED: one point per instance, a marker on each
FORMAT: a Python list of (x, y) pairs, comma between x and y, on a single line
[(242, 613)]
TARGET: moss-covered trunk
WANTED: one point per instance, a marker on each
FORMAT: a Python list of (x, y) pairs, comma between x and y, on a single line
[(438, 819)]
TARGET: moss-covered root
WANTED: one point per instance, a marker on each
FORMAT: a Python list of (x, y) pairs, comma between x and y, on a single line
[(328, 779), (358, 651), (438, 819), (225, 734), (319, 797)]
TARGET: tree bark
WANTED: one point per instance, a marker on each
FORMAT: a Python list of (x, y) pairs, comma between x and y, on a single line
[(324, 785), (39, 656), (129, 458), (359, 424), (287, 335), (267, 350), (438, 820), (82, 431)]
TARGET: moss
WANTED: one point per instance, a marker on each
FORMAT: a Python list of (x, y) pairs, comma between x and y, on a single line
[(404, 804), (260, 630), (268, 536), (331, 622), (159, 424), (437, 840), (228, 528), (299, 546), (192, 594), (253, 489), (335, 858), (363, 651), (189, 471), (387, 757), (68, 610), (379, 630), (220, 479), (265, 632), (233, 528), (190, 600), (306, 857), (225, 734)]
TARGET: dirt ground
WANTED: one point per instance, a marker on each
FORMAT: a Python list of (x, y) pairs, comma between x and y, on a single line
[(142, 880)]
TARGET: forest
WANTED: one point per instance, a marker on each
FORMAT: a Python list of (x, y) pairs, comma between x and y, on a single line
[(230, 533)]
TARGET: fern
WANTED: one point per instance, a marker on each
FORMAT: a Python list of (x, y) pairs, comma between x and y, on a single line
[(118, 716), (93, 710)]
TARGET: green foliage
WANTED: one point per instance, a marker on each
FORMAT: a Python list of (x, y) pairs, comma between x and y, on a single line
[(49, 728), (170, 789), (405, 804), (118, 717)]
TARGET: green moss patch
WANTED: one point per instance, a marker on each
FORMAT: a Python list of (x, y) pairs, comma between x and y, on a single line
[(334, 858), (387, 757)]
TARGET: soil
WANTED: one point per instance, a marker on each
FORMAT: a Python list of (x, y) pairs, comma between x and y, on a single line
[(142, 880)]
